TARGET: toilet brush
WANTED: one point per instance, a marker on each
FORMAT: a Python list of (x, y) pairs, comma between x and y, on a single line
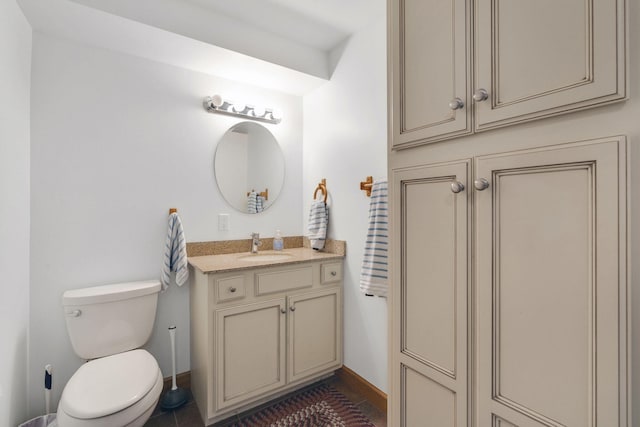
[(175, 397)]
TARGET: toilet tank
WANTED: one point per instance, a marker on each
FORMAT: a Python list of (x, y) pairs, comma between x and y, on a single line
[(110, 319)]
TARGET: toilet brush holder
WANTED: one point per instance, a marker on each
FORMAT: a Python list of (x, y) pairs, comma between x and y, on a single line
[(175, 397)]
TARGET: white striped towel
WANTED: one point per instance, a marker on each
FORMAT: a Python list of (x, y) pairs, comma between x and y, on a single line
[(252, 202), (318, 224), (259, 204), (374, 278), (175, 253)]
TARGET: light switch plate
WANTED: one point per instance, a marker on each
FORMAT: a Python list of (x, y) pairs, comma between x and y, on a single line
[(223, 222)]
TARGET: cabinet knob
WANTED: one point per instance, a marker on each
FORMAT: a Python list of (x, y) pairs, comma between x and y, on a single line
[(457, 186), (456, 104), (292, 308), (334, 273), (283, 310), (481, 184), (480, 95), (232, 289)]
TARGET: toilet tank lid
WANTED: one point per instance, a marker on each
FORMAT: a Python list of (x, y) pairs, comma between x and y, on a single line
[(109, 293)]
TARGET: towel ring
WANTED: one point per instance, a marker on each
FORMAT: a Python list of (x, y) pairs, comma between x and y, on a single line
[(322, 187)]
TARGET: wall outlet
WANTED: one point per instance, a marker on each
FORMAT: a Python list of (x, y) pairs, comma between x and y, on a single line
[(223, 222)]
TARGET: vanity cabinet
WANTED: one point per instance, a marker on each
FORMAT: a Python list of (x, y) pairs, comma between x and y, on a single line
[(257, 333), (250, 342), (509, 304), (463, 66), (313, 329)]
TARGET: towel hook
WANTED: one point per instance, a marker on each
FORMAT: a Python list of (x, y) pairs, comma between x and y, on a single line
[(322, 186), (366, 185), (172, 210), (264, 194)]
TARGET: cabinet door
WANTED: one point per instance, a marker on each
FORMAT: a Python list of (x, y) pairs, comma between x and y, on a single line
[(315, 333), (250, 351), (546, 57), (551, 287), (430, 306), (429, 68)]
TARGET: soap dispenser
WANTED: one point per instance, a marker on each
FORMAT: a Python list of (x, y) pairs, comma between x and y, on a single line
[(278, 243)]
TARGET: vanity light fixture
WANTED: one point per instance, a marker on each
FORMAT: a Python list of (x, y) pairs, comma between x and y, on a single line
[(216, 104)]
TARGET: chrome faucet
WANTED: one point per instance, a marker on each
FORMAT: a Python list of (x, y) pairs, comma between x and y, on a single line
[(255, 242)]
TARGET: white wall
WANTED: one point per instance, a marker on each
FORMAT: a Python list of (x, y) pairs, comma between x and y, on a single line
[(15, 73), (116, 142), (345, 140)]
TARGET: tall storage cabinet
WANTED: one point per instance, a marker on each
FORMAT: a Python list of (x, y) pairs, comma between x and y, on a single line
[(463, 66), (509, 297), (509, 303)]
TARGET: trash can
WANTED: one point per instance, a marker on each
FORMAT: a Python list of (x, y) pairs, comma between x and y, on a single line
[(48, 420)]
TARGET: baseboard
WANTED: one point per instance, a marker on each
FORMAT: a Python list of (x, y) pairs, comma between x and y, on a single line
[(183, 380), (372, 393)]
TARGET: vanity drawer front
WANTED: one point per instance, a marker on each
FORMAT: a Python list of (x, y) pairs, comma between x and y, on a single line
[(284, 280), (331, 273), (229, 288)]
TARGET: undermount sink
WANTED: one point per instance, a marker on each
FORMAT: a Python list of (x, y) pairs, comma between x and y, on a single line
[(265, 257)]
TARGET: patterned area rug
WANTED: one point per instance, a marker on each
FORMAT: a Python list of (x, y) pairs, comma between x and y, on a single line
[(320, 406)]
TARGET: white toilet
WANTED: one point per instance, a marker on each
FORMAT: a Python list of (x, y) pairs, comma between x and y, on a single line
[(120, 384)]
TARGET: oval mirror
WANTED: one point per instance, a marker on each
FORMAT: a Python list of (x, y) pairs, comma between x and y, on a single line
[(249, 167)]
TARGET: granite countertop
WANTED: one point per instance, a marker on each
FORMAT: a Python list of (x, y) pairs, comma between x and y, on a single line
[(233, 261)]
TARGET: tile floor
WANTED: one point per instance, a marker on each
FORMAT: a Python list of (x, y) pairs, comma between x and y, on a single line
[(188, 415)]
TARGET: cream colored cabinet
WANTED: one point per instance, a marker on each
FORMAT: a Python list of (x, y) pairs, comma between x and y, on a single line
[(551, 286), (529, 59), (258, 333), (250, 342), (537, 335), (429, 68), (430, 311), (314, 323)]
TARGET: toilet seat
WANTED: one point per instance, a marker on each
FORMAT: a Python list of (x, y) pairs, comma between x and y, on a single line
[(111, 391)]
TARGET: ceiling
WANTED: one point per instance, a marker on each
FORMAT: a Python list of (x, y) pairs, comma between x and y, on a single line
[(284, 45), (322, 24)]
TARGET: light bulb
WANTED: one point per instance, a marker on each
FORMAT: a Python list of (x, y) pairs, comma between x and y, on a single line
[(217, 101), (239, 108), (259, 111), (276, 114)]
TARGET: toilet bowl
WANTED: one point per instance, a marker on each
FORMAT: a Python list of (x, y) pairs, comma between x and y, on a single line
[(118, 390), (120, 384)]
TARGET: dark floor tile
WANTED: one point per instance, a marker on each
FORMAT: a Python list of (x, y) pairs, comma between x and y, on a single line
[(188, 416), (231, 421), (164, 419)]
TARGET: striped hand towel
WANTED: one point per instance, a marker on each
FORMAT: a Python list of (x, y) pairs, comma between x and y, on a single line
[(374, 274), (318, 223), (259, 204), (252, 202), (175, 254)]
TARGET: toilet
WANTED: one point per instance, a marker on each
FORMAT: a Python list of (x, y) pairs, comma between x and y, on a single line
[(120, 384)]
